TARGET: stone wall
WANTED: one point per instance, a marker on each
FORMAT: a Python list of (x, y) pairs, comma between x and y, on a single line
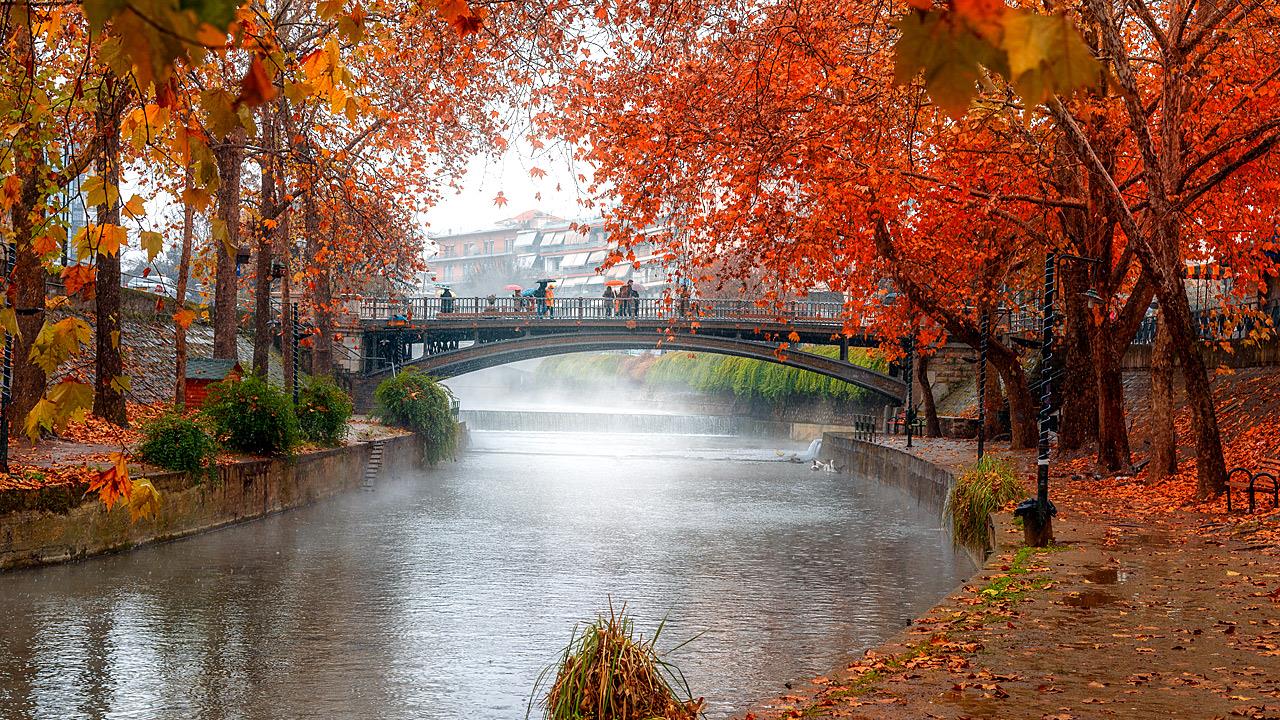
[(870, 462), (63, 524)]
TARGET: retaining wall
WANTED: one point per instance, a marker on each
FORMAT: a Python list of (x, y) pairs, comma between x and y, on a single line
[(62, 524), (920, 479)]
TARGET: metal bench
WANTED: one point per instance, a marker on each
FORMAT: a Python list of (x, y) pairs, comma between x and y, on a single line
[(1265, 479)]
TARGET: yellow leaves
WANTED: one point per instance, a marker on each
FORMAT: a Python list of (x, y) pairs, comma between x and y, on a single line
[(97, 191), (150, 35), (65, 402), (134, 208), (94, 239), (184, 318), (1039, 54), (144, 500), (59, 341), (9, 321), (218, 229), (220, 114), (152, 242), (328, 9), (1046, 55)]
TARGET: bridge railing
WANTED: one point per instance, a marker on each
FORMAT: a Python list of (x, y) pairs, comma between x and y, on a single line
[(579, 308)]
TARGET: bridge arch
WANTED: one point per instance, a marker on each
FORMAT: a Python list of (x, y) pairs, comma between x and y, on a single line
[(453, 363)]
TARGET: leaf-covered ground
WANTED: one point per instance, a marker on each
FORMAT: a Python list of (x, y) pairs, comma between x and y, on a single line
[(1151, 605)]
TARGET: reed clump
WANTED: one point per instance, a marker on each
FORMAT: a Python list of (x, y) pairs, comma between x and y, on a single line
[(608, 672), (986, 487)]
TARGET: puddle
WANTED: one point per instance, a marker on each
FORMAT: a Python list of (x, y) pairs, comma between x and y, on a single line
[(1088, 600), (1105, 576)]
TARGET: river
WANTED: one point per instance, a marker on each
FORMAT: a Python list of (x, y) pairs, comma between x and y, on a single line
[(442, 595)]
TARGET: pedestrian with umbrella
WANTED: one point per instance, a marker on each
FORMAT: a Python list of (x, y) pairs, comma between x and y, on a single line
[(610, 298)]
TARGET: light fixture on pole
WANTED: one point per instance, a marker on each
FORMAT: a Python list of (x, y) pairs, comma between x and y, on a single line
[(1037, 513)]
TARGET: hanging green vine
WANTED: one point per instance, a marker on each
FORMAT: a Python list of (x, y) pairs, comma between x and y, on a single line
[(417, 402)]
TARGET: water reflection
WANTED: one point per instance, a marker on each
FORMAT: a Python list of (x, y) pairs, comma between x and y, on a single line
[(442, 596)]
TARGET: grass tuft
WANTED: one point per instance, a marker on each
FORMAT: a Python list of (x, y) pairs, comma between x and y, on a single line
[(608, 672), (984, 488)]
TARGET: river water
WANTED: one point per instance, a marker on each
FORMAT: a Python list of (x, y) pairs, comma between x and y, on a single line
[(442, 595)]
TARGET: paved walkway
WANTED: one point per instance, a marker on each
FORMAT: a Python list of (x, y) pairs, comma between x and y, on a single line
[(1144, 610)]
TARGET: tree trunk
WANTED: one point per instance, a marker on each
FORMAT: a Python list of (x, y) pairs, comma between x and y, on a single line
[(1175, 310), (184, 274), (995, 403), (1080, 409), (229, 155), (262, 271), (321, 298), (1164, 448), (1023, 431), (28, 294), (932, 428), (286, 294), (1113, 435), (108, 401)]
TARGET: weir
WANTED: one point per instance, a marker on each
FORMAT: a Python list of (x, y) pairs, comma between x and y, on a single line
[(605, 422)]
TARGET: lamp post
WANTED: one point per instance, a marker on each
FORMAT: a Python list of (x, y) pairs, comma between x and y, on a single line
[(1037, 513), (909, 414), (985, 326), (6, 370)]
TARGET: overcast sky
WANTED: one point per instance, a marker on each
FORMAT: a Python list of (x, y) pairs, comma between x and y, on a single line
[(473, 208)]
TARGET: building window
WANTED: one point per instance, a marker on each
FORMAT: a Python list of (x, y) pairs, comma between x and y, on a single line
[(488, 247), (511, 244)]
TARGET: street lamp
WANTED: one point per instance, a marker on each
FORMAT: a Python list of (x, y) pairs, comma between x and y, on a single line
[(1037, 513)]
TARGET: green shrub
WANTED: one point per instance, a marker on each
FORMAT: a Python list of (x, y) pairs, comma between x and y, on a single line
[(987, 486), (607, 671), (323, 411), (179, 443), (417, 402), (251, 416)]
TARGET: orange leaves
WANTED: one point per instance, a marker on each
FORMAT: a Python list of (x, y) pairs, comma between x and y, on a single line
[(112, 484), (76, 278), (256, 87), (464, 18), (184, 317), (500, 199), (1039, 54)]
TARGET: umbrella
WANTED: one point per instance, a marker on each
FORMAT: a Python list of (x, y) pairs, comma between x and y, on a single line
[(513, 288), (615, 282)]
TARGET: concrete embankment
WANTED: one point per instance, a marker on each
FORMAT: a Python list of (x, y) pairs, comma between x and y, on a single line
[(928, 483), (63, 523)]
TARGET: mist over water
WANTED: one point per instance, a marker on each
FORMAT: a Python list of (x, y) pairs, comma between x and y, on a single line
[(444, 594)]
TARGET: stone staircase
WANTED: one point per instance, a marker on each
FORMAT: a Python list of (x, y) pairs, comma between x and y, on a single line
[(374, 466)]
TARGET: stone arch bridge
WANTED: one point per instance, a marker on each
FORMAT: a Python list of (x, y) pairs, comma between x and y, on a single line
[(455, 336)]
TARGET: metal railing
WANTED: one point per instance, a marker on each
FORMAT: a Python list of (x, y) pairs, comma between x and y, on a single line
[(1224, 324), (865, 427), (579, 308)]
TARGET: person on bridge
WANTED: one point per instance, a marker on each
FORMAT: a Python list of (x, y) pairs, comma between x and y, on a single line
[(540, 295), (446, 301), (633, 298), (610, 301), (551, 300)]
